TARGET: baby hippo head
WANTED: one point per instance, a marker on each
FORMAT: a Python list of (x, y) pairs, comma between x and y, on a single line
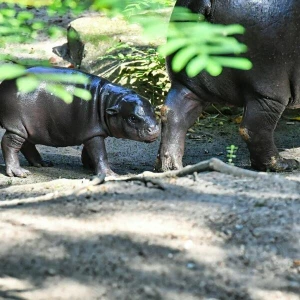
[(133, 118)]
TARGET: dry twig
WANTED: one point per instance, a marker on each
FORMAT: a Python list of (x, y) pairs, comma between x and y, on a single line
[(212, 164)]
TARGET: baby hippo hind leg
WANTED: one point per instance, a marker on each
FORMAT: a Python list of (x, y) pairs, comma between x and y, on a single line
[(33, 156), (257, 129), (11, 145)]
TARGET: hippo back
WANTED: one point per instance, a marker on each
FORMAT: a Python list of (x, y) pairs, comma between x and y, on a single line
[(273, 41), (43, 118)]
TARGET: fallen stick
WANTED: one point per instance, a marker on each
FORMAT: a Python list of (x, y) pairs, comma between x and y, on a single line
[(213, 164)]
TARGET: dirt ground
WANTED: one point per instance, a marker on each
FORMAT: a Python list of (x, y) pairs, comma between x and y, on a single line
[(210, 236)]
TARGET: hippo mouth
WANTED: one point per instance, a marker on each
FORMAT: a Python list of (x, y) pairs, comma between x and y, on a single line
[(150, 138), (150, 135), (148, 141)]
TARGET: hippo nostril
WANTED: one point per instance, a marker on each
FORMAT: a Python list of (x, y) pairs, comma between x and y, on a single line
[(152, 133), (153, 129), (150, 129)]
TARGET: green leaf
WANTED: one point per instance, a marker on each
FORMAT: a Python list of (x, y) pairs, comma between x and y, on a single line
[(38, 25), (83, 94), (8, 12), (60, 92), (213, 67), (25, 15), (27, 84), (68, 78), (233, 62), (171, 46), (196, 65), (184, 14), (182, 57), (55, 32), (233, 29), (11, 71)]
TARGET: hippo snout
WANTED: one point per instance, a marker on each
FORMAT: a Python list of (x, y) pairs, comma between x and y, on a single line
[(152, 133), (154, 130)]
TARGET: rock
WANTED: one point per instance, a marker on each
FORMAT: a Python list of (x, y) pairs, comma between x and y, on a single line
[(89, 38)]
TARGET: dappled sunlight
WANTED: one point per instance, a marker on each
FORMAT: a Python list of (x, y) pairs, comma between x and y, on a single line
[(206, 235), (167, 248), (13, 288), (13, 283), (137, 224), (263, 294)]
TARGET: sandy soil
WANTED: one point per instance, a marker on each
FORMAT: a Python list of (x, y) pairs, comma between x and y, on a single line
[(212, 236)]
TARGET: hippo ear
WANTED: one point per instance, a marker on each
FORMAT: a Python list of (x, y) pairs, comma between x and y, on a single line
[(113, 110)]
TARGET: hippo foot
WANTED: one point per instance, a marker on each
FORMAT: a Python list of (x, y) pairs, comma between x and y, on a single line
[(17, 172), (167, 163), (108, 173), (112, 175), (44, 163), (278, 164)]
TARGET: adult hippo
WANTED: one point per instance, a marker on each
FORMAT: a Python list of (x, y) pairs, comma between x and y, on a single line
[(39, 117), (271, 86)]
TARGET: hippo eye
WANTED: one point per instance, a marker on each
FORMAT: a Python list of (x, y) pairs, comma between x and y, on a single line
[(133, 119)]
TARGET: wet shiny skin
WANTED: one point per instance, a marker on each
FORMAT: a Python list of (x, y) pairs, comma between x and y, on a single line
[(273, 40), (40, 117)]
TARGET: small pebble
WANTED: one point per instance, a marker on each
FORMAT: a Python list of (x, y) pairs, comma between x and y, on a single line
[(190, 265), (239, 226), (51, 272)]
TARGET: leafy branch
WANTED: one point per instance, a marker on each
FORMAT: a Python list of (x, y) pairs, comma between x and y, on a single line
[(193, 44), (198, 45)]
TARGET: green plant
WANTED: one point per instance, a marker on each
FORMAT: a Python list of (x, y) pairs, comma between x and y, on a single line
[(195, 44), (142, 7), (198, 45), (18, 25), (141, 68), (231, 153)]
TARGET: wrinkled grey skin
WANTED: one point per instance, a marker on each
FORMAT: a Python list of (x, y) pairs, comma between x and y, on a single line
[(40, 117), (272, 85)]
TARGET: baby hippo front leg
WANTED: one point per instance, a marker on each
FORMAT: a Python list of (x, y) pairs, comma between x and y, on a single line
[(94, 156), (11, 145)]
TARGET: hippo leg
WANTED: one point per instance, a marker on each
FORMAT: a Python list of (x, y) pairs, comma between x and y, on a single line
[(33, 156), (95, 156), (85, 159), (11, 145), (257, 128), (178, 114)]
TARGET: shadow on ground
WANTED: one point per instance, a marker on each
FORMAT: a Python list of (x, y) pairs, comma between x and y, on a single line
[(210, 236), (218, 237)]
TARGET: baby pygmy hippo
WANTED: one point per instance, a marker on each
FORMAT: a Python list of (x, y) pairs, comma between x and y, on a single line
[(39, 117)]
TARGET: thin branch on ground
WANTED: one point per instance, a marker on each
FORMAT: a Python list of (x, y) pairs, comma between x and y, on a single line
[(156, 179), (213, 164)]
